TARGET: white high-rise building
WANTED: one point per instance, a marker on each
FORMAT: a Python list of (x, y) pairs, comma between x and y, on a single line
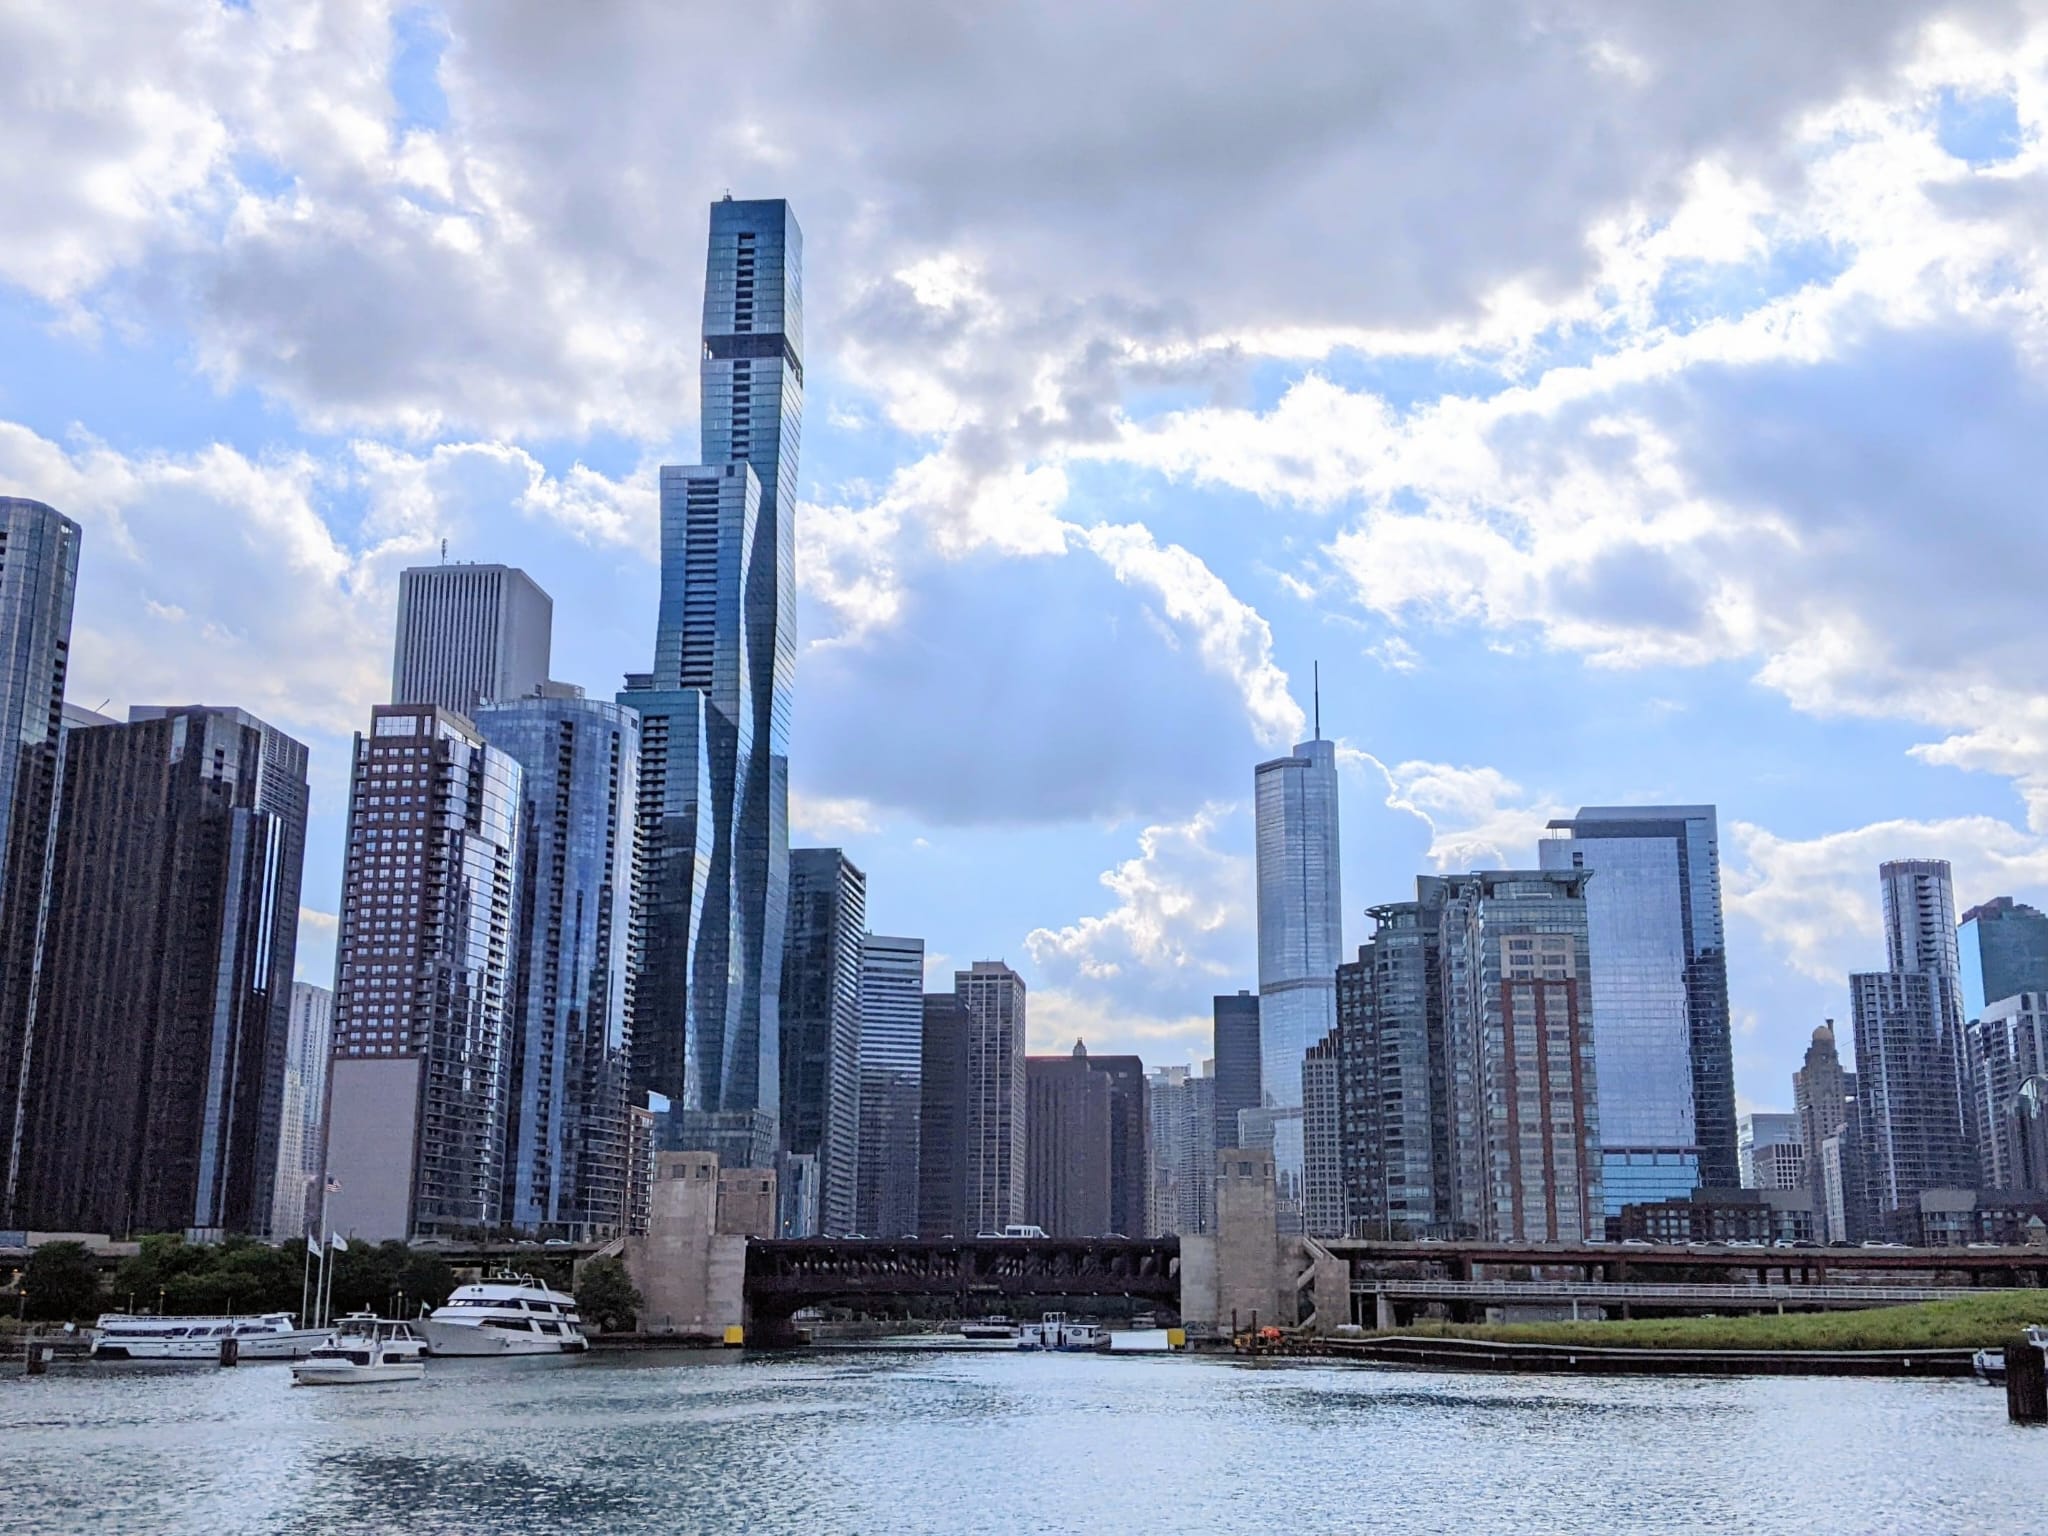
[(891, 1080), (1301, 931), (470, 634), (993, 996), (300, 1131), (1911, 1064)]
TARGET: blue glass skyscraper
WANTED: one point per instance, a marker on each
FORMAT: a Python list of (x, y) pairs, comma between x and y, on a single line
[(1660, 996), (574, 965), (1301, 931), (715, 779), (38, 579)]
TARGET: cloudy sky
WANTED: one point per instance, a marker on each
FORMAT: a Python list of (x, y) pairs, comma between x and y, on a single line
[(1621, 402)]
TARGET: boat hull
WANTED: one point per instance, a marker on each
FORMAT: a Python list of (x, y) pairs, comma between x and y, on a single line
[(318, 1374), (465, 1340), (273, 1346)]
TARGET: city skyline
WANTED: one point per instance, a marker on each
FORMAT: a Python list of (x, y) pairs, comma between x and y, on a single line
[(1214, 523)]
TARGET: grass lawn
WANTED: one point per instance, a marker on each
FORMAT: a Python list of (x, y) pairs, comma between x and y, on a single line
[(1967, 1324)]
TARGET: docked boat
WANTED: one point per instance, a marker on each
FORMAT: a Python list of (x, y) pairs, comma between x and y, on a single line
[(265, 1336), (1989, 1364), (400, 1340), (1057, 1331), (984, 1329), (362, 1352), (506, 1315)]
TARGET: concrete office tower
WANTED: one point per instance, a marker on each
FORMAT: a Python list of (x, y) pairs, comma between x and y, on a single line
[(2008, 1048), (1772, 1153), (945, 1144), (38, 578), (1824, 1099), (1066, 1186), (821, 975), (574, 963), (1130, 1142), (1667, 1102), (1322, 1142), (416, 1092), (2002, 947), (1183, 1110), (308, 1042), (1236, 1045), (469, 635), (1301, 930), (993, 995), (1392, 1074), (156, 1094), (1520, 1029), (891, 1074)]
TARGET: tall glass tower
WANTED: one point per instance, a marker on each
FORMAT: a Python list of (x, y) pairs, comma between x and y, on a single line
[(1301, 931), (38, 578), (1660, 996), (567, 1019), (715, 710)]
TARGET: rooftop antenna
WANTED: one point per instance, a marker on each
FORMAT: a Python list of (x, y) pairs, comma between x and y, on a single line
[(444, 551), (1316, 673)]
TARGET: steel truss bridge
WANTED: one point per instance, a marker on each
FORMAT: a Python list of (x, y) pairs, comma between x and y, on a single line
[(982, 1275)]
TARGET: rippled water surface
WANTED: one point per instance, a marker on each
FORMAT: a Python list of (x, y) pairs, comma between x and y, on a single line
[(970, 1441)]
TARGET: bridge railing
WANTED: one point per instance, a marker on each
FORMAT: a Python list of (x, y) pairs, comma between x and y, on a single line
[(1586, 1290)]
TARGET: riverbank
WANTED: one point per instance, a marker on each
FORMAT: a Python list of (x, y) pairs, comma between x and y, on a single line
[(1928, 1339), (1973, 1322)]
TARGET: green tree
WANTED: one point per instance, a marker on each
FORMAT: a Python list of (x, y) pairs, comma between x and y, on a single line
[(606, 1296), (237, 1275), (63, 1283), (389, 1276)]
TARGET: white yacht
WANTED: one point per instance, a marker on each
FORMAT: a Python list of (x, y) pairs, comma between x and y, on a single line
[(266, 1336), (506, 1315), (1057, 1331), (399, 1341), (363, 1350), (989, 1329)]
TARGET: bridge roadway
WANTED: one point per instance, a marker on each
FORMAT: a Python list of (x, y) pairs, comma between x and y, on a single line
[(1626, 1262), (785, 1276)]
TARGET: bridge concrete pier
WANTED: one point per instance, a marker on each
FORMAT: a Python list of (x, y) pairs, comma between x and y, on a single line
[(1245, 1269), (691, 1267)]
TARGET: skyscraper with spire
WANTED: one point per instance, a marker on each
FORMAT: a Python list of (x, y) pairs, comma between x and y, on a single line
[(1301, 929), (714, 783)]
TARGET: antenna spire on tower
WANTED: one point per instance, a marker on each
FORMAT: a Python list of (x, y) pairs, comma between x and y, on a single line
[(1316, 672)]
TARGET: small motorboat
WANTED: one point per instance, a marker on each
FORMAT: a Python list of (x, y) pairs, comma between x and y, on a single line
[(989, 1328), (1057, 1331), (364, 1350), (1989, 1365)]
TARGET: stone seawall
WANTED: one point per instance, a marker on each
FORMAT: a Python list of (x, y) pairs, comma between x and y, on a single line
[(1486, 1355)]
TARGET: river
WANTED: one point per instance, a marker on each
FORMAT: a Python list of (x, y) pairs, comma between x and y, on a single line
[(961, 1442)]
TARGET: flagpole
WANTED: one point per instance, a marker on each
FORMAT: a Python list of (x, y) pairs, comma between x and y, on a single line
[(305, 1280), (327, 1282)]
